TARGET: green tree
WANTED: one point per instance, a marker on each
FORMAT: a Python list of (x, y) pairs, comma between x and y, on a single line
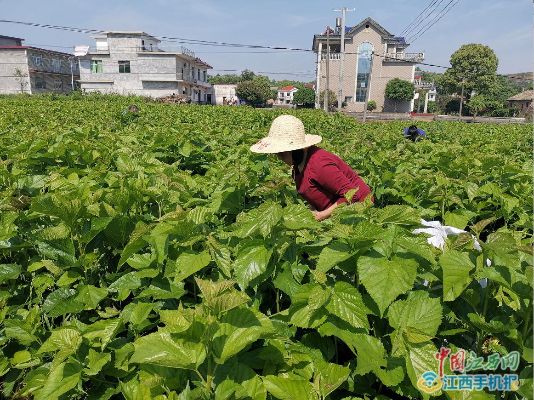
[(255, 92), (478, 104), (228, 79), (247, 75), (474, 66), (371, 105), (305, 97), (399, 90), (332, 100)]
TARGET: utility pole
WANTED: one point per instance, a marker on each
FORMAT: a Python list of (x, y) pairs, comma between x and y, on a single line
[(462, 98), (342, 54), (368, 88), (325, 97)]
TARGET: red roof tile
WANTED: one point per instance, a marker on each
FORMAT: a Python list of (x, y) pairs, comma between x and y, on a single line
[(287, 89)]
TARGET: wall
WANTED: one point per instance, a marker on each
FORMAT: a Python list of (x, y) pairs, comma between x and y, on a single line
[(221, 91), (381, 73), (53, 69), (10, 60), (154, 74)]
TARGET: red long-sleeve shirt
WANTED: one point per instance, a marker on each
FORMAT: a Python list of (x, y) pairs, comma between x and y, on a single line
[(326, 178)]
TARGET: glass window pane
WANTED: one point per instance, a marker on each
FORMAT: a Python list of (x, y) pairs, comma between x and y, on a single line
[(364, 68)]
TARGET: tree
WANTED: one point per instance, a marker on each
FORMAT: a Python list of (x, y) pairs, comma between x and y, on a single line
[(228, 79), (478, 104), (399, 90), (474, 66), (332, 100), (20, 77), (305, 97), (255, 92), (247, 75)]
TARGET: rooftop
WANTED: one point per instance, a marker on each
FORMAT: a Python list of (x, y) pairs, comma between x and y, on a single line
[(11, 37), (523, 96), (287, 88)]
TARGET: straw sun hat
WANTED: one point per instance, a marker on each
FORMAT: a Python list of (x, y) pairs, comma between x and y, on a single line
[(286, 134)]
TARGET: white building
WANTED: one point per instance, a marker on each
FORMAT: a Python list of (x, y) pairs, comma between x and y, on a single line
[(224, 95), (285, 95), (29, 69), (133, 63)]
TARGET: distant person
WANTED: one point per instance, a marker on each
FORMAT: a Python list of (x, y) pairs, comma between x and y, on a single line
[(414, 133)]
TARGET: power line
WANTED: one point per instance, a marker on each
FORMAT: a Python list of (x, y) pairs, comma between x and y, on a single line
[(406, 28), (163, 38), (423, 20), (438, 17)]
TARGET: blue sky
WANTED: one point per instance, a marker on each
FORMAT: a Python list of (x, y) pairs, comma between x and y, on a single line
[(504, 25)]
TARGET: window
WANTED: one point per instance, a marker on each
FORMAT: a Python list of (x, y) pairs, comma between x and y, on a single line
[(198, 74), (40, 82), (364, 67), (205, 77), (124, 67), (56, 65), (96, 66), (143, 45), (37, 61), (58, 84)]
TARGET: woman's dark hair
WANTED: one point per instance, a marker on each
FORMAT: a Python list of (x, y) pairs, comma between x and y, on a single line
[(297, 156), (412, 130)]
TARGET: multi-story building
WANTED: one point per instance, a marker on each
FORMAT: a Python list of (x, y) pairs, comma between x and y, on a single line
[(285, 95), (28, 69), (373, 56), (134, 63)]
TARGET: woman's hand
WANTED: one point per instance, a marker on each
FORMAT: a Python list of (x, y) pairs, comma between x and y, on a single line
[(326, 213)]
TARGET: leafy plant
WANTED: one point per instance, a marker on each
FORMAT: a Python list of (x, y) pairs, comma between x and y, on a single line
[(161, 259)]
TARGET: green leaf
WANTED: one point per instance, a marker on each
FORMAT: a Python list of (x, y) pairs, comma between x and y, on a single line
[(62, 301), (161, 349), (189, 263), (97, 225), (421, 358), (61, 379), (371, 354), (136, 242), (90, 296), (289, 388), (236, 377), (333, 254), (9, 272), (95, 361), (397, 214), (125, 284), (137, 313), (415, 319), (456, 268), (221, 255), (104, 330), (330, 376), (385, 280), (259, 220), (298, 216), (238, 329), (347, 304), (251, 262), (66, 340)]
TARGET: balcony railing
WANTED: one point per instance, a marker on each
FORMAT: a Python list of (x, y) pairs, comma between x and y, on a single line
[(333, 56), (406, 57)]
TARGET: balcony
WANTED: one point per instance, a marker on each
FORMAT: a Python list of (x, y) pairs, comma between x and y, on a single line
[(404, 57), (333, 56)]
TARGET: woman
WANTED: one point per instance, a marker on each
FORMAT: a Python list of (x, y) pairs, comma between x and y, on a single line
[(321, 178)]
